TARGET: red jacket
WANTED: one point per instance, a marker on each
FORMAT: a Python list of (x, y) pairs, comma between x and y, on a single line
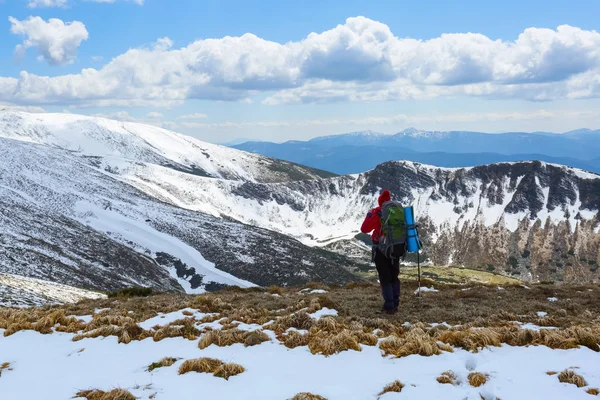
[(372, 221)]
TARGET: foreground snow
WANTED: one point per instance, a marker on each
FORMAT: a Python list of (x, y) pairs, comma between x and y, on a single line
[(19, 291), (62, 367)]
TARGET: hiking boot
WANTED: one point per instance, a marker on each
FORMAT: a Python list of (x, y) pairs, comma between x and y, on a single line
[(387, 311)]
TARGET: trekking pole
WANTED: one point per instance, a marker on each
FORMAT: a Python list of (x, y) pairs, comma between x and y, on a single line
[(419, 270)]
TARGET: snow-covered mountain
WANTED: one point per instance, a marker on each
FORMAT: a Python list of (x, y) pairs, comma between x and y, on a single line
[(116, 140), (70, 216), (20, 291), (88, 217), (529, 219)]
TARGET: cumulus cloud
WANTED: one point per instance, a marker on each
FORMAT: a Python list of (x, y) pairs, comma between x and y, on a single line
[(406, 119), (360, 60), (14, 107), (46, 3), (117, 115), (154, 115), (138, 2), (56, 41), (194, 116)]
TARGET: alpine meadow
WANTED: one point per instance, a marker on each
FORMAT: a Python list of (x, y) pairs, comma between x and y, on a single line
[(299, 201)]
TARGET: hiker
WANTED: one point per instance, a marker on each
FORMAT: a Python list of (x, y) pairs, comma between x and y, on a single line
[(388, 268)]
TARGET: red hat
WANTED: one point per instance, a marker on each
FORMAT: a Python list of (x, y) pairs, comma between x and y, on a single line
[(385, 196)]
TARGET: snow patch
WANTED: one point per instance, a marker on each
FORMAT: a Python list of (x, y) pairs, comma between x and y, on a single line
[(323, 313)]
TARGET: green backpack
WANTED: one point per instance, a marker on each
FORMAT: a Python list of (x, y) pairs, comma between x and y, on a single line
[(393, 229)]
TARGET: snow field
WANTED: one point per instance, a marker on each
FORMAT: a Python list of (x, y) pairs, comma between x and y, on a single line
[(272, 371)]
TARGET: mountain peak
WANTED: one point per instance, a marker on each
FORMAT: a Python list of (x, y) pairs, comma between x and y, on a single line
[(419, 133)]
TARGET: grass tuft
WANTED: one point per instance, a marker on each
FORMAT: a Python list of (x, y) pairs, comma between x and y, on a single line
[(201, 365), (256, 338), (448, 377), (165, 362), (294, 339), (275, 290), (226, 371), (212, 366), (569, 376), (415, 341), (328, 344), (593, 391), (115, 394), (551, 373), (477, 379), (307, 396), (395, 386)]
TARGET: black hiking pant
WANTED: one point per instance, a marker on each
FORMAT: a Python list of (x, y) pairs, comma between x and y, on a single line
[(388, 271)]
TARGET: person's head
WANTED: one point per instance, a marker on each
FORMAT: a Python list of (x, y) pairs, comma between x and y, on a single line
[(384, 196)]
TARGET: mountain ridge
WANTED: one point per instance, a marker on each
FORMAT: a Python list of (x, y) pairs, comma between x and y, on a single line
[(191, 232)]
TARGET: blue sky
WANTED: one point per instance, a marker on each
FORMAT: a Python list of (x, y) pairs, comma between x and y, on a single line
[(385, 65)]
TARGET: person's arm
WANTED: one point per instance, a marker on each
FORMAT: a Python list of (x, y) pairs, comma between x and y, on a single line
[(370, 222)]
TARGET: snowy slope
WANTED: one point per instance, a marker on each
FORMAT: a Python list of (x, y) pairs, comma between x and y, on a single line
[(145, 143), (275, 372), (66, 218), (318, 212), (151, 191), (18, 291)]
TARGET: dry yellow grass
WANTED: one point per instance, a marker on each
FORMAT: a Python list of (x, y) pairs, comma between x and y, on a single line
[(551, 373), (307, 396), (229, 337), (328, 344), (5, 366), (256, 338), (416, 341), (477, 379), (115, 394), (471, 340), (294, 339), (569, 376), (593, 391), (395, 386), (165, 362), (299, 320), (226, 371), (448, 377), (211, 365), (275, 290), (201, 365)]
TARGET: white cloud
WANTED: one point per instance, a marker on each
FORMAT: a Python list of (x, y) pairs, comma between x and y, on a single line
[(56, 41), (361, 60), (14, 107), (154, 115), (138, 2), (117, 115), (407, 119), (46, 3), (194, 116), (97, 58), (169, 125)]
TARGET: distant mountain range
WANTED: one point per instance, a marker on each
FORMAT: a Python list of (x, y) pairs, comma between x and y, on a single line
[(360, 151)]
